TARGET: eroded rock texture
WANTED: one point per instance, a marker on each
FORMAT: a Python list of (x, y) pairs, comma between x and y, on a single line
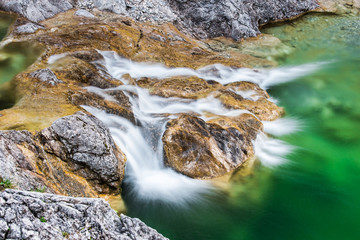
[(75, 156), (210, 149), (235, 18), (27, 215), (202, 18)]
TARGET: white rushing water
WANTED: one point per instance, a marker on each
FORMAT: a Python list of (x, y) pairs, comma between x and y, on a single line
[(142, 144), (145, 172), (118, 66), (282, 126)]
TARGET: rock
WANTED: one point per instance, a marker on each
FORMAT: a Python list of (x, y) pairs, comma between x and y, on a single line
[(15, 165), (203, 19), (28, 28), (35, 10), (234, 18), (75, 156), (46, 75), (249, 96), (47, 216), (210, 149), (340, 6), (85, 141), (238, 95), (83, 13), (118, 104), (181, 87)]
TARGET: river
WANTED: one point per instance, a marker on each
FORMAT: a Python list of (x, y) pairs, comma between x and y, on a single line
[(316, 194)]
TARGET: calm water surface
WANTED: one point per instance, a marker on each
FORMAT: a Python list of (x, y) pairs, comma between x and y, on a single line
[(14, 58)]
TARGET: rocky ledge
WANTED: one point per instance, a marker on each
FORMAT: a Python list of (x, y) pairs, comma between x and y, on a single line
[(28, 215), (203, 19), (75, 156)]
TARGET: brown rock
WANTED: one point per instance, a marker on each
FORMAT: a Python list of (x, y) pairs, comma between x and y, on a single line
[(257, 102), (210, 149), (182, 87), (339, 6)]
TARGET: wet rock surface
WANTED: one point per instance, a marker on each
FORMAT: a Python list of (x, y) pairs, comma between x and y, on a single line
[(209, 149), (46, 75), (27, 215), (203, 19), (75, 156), (340, 6)]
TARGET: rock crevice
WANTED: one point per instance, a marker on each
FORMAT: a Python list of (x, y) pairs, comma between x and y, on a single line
[(74, 156), (28, 215)]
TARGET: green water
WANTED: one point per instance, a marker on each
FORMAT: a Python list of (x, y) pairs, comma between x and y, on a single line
[(15, 57), (317, 194)]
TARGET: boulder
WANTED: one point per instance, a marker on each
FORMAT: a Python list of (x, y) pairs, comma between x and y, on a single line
[(234, 18), (74, 156), (210, 149), (28, 215)]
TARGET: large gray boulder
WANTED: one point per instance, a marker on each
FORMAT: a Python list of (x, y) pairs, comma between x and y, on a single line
[(36, 10), (201, 18), (86, 141), (235, 18), (75, 156), (28, 215)]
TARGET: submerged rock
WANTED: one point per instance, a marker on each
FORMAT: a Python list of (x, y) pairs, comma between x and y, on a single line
[(75, 156), (340, 6), (27, 215)]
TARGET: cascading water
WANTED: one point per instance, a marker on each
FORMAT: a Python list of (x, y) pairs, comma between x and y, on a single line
[(145, 170), (118, 66)]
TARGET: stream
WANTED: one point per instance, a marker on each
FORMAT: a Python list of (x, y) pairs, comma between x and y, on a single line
[(306, 182), (315, 194)]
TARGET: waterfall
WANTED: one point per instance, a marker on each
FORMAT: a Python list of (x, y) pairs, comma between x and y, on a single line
[(118, 66), (145, 172)]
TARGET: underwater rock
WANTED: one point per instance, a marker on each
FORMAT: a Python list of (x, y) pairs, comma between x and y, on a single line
[(340, 6), (28, 215), (75, 156), (209, 149)]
